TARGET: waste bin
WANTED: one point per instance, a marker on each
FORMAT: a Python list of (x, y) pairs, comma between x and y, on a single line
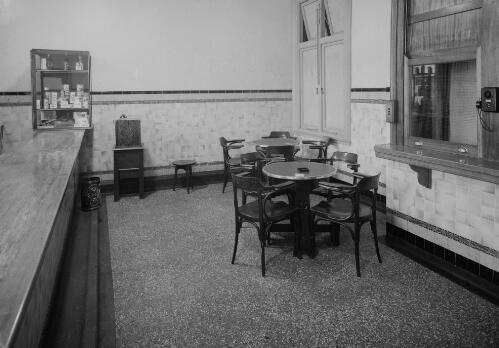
[(90, 193)]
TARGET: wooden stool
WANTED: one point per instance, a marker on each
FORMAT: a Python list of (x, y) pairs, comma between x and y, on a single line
[(186, 165)]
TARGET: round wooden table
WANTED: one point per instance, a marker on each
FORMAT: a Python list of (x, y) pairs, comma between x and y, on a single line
[(304, 182)]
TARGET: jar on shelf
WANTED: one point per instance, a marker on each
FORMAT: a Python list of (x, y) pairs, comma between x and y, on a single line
[(50, 63), (66, 64)]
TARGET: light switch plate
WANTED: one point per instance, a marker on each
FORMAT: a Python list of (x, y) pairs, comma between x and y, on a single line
[(390, 111)]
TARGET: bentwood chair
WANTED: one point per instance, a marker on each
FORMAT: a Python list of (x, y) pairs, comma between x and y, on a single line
[(229, 161), (321, 146), (349, 160), (262, 212), (285, 152), (345, 208)]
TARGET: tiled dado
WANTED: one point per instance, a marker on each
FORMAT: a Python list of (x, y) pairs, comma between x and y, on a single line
[(175, 124), (461, 214), (176, 130), (368, 128)]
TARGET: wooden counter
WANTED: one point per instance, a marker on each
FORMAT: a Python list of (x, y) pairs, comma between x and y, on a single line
[(462, 165), (38, 183)]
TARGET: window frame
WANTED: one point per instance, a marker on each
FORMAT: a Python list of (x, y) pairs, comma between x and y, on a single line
[(344, 36), (401, 89)]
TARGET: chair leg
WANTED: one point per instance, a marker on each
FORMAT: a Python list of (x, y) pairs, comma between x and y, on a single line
[(375, 234), (236, 240), (334, 234), (262, 244), (175, 178), (188, 178), (356, 240), (226, 178)]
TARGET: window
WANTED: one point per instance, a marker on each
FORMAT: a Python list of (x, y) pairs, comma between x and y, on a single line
[(442, 101), (437, 56), (322, 67)]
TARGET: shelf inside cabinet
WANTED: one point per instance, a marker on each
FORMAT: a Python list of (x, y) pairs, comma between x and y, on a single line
[(67, 109), (62, 71)]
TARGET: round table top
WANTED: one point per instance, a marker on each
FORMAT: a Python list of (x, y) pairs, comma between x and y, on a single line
[(289, 170), (183, 162), (275, 142)]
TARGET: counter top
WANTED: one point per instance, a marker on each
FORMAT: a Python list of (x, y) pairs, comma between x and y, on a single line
[(33, 180), (457, 164)]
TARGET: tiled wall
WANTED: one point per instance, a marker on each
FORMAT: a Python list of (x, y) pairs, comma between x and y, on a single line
[(458, 213), (15, 115), (174, 126), (368, 128)]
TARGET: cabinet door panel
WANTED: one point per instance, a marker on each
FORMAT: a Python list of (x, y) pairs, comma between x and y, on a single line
[(336, 116), (309, 99)]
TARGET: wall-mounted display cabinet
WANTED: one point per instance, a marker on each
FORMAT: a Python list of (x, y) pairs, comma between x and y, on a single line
[(61, 89)]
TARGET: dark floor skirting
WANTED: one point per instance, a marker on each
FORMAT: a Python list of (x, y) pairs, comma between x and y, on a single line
[(82, 311), (471, 275)]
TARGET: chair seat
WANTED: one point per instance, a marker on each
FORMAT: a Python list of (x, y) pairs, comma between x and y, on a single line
[(340, 209), (275, 211)]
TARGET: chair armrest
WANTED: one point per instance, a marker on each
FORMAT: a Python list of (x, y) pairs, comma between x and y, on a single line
[(237, 146), (315, 147), (359, 175), (311, 142), (274, 192), (233, 141), (353, 166), (337, 187)]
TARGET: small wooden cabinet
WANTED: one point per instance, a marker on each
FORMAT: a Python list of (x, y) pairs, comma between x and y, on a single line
[(61, 89), (128, 161)]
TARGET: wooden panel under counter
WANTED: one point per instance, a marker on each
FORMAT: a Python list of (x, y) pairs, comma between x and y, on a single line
[(37, 192)]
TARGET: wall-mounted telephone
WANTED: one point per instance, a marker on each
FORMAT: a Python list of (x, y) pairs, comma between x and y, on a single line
[(489, 99)]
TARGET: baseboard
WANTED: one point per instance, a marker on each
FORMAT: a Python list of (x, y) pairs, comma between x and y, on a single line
[(469, 274), (82, 313), (164, 182)]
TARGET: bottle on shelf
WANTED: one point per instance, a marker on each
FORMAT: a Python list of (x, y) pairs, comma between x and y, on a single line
[(79, 64), (66, 63), (50, 63)]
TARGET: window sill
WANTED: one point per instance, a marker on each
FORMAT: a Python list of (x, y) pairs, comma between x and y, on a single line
[(461, 165)]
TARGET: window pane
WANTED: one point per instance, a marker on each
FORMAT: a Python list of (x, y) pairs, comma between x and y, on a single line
[(309, 15), (422, 6), (459, 30), (443, 102), (336, 12)]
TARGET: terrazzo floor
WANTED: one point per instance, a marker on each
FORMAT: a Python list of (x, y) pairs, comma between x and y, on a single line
[(174, 285)]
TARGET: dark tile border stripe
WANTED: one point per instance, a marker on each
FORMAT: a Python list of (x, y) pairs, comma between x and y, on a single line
[(376, 89), (208, 100), (15, 93), (204, 91), (200, 91), (472, 244)]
